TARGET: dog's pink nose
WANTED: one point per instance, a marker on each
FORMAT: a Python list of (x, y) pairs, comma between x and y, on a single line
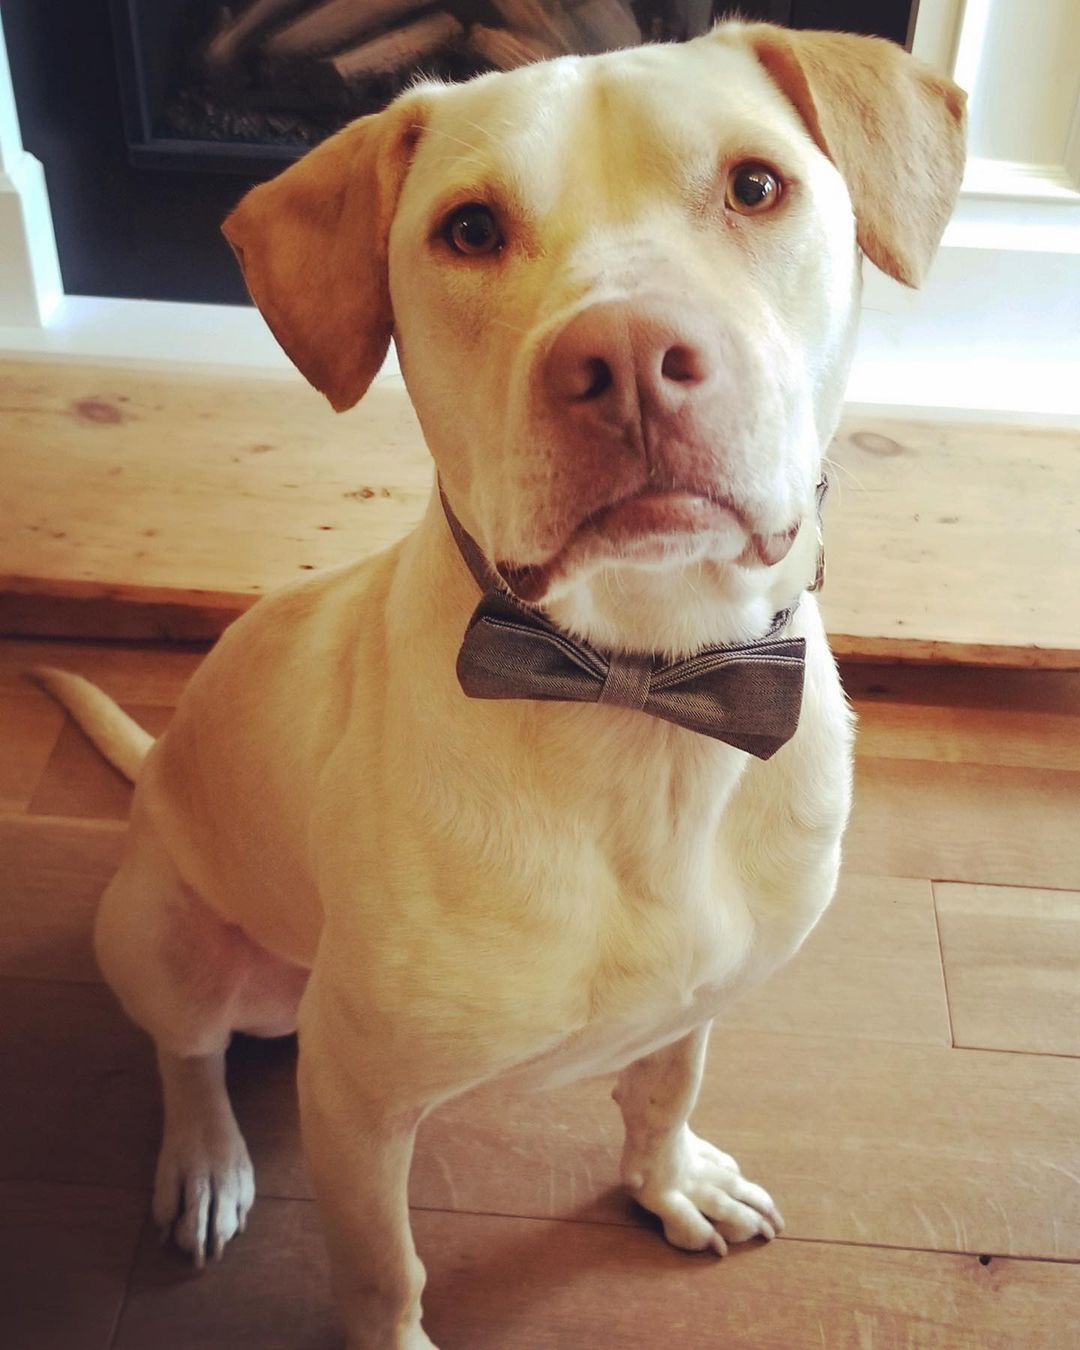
[(619, 361)]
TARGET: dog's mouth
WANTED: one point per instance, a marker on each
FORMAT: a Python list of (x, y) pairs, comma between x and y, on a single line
[(654, 527)]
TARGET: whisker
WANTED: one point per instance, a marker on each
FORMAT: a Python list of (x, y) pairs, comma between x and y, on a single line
[(486, 131), (843, 469), (446, 135)]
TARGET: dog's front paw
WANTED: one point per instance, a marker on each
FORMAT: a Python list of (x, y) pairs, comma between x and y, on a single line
[(700, 1196), (203, 1189)]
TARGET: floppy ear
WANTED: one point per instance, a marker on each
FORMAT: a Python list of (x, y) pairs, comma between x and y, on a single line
[(312, 246), (893, 128)]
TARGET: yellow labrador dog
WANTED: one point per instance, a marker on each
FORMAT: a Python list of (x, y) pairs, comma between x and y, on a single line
[(623, 290)]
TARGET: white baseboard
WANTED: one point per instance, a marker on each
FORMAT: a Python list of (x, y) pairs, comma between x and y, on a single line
[(994, 332), (141, 333), (958, 348)]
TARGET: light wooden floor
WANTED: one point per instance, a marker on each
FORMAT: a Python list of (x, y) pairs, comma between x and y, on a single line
[(909, 1089), (142, 504)]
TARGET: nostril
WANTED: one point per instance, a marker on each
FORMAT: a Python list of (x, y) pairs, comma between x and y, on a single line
[(684, 365), (599, 378)]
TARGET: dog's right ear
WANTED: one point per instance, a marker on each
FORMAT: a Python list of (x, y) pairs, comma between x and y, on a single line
[(312, 245), (893, 128)]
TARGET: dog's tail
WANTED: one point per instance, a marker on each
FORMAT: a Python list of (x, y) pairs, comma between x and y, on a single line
[(119, 737)]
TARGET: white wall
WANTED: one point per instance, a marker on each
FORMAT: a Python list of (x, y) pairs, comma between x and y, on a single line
[(30, 288), (995, 331)]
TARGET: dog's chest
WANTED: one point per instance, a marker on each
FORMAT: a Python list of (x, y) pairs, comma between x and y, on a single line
[(689, 906), (670, 942)]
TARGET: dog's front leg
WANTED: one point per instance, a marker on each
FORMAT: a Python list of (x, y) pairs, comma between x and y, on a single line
[(696, 1190), (359, 1145)]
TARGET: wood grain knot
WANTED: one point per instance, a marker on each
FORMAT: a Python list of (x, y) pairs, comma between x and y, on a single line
[(876, 444), (98, 411)]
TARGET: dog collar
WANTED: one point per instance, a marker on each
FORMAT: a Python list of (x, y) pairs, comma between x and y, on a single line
[(747, 695)]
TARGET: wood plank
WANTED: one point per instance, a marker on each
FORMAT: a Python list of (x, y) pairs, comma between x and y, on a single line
[(80, 1101), (65, 1254), (29, 726), (954, 542), (977, 687), (113, 618), (193, 490), (918, 1146), (79, 782), (1001, 736), (965, 822), (508, 1283), (871, 969), (1029, 719), (1012, 965), (149, 674), (858, 1141), (52, 873), (182, 487), (520, 1284)]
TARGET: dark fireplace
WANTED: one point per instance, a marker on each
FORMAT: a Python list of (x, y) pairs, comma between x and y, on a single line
[(245, 87), (153, 116)]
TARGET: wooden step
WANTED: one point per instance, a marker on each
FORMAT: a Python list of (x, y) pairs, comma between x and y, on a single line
[(142, 504)]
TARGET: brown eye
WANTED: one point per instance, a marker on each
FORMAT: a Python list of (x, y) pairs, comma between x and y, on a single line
[(752, 189), (473, 230)]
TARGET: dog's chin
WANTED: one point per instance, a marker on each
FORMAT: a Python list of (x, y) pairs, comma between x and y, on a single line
[(653, 531)]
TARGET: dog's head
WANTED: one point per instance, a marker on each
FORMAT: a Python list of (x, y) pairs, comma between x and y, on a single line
[(623, 291)]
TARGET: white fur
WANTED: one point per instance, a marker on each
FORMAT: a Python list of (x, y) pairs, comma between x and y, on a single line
[(531, 890)]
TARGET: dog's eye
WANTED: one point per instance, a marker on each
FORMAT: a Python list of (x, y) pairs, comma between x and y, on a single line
[(473, 230), (752, 189)]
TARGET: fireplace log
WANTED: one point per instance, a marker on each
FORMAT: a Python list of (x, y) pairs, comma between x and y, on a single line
[(576, 26), (235, 34), (330, 26), (538, 18), (604, 25), (394, 51), (505, 50)]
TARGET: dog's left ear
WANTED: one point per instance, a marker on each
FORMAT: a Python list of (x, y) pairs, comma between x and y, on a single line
[(893, 128), (312, 245)]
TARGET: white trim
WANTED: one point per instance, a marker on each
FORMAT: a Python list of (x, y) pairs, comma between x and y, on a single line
[(1071, 162), (937, 32), (1018, 180), (99, 331), (934, 353), (30, 284), (960, 38), (970, 42)]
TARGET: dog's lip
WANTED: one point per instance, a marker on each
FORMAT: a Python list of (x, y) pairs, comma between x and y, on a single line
[(648, 523)]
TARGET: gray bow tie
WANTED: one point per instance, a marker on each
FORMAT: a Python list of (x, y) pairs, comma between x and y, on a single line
[(748, 695)]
